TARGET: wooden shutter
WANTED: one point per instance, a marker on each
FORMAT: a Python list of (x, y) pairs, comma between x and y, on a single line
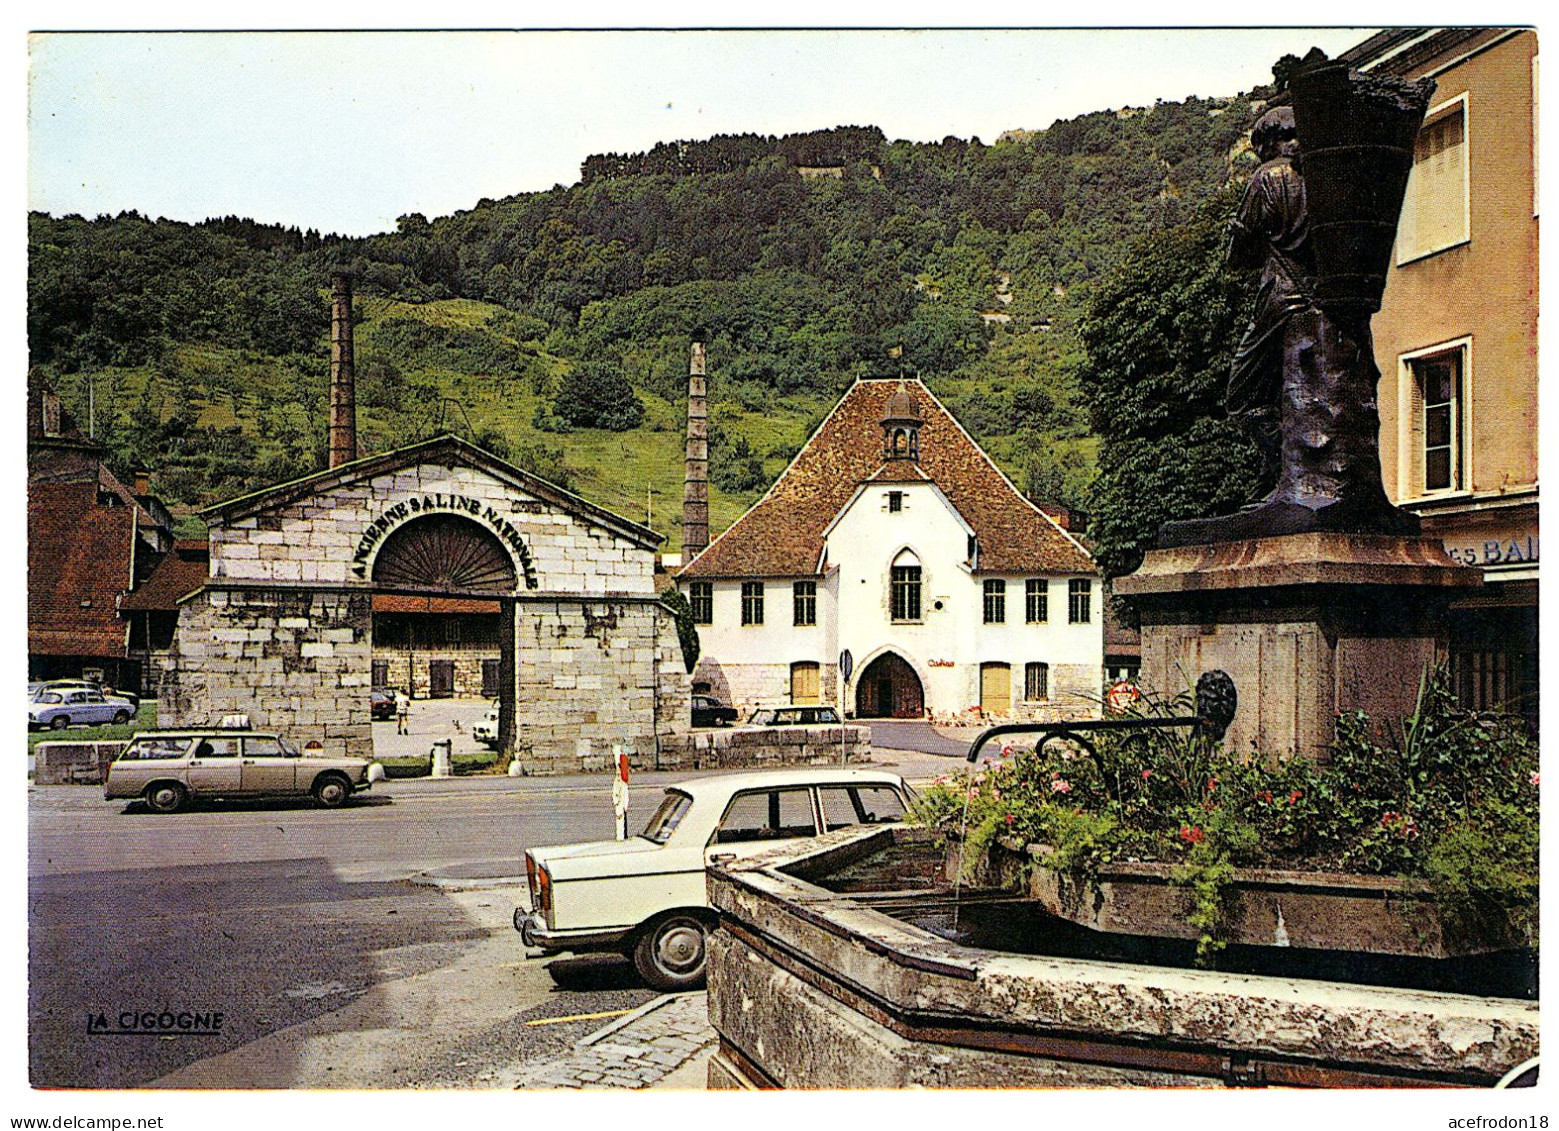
[(805, 684)]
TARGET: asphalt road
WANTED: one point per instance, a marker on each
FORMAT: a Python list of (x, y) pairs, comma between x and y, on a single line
[(305, 929), (368, 946)]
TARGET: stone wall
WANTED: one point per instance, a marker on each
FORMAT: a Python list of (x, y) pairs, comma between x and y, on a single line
[(767, 748), (468, 667), (72, 763), (294, 660), (593, 675)]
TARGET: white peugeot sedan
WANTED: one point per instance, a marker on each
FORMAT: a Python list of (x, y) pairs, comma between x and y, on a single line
[(645, 897)]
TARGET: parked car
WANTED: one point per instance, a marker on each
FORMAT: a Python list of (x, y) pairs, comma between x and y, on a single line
[(36, 689), (793, 717), (169, 768), (710, 712), (485, 729), (58, 709), (381, 703), (644, 897)]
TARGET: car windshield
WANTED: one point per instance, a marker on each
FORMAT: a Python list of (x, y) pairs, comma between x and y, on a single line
[(664, 822), (761, 718)]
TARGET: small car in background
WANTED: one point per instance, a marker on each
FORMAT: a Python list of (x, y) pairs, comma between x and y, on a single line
[(170, 768), (381, 703), (645, 897), (710, 712), (36, 689), (74, 706), (793, 717), (485, 729)]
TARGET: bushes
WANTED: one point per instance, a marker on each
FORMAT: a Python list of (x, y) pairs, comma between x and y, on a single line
[(1449, 796)]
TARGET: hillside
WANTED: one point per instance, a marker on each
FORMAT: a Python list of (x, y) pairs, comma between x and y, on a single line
[(552, 327)]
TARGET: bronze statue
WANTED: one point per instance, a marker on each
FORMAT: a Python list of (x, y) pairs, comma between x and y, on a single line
[(1319, 217)]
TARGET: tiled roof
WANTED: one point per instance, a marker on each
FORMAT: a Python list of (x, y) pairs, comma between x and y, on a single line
[(782, 534), (78, 563), (182, 570)]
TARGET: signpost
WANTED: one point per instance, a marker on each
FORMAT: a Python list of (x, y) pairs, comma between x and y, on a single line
[(620, 792), (846, 666)]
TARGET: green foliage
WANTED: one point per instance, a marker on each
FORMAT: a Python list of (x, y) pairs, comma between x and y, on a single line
[(1448, 795), (687, 632), (593, 396), (803, 284), (1160, 334)]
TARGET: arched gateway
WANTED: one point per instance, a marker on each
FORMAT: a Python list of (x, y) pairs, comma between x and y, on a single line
[(888, 688), (440, 534)]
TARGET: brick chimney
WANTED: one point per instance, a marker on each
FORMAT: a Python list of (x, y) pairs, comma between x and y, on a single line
[(343, 394), (695, 479)]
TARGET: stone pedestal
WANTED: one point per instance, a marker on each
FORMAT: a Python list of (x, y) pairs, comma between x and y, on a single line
[(1307, 625)]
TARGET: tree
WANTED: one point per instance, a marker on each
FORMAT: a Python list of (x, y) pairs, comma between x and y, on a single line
[(1159, 335), (597, 396)]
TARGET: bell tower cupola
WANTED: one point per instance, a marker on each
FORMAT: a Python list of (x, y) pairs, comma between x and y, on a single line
[(901, 426)]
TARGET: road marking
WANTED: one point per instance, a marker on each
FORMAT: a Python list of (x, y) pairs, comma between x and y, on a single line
[(579, 1017)]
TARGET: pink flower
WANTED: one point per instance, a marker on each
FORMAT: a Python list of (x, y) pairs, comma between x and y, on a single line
[(1212, 783), (1295, 796), (1533, 778), (1146, 774), (1010, 818), (1060, 785)]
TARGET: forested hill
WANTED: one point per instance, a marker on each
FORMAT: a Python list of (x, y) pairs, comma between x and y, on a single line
[(552, 327)]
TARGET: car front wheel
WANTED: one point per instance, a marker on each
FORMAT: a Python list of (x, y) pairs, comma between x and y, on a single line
[(60, 722), (670, 953), (332, 791), (121, 717), (166, 797)]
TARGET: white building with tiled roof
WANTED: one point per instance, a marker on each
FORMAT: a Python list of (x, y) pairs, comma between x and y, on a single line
[(893, 536)]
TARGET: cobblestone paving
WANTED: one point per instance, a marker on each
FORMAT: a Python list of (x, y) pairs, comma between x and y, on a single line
[(652, 1043)]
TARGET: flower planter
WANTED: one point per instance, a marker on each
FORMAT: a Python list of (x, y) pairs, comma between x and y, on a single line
[(1314, 910)]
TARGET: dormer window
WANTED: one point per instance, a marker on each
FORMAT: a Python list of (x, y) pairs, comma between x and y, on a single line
[(895, 501)]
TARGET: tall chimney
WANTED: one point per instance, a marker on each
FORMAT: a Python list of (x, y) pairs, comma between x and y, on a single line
[(695, 479), (343, 394)]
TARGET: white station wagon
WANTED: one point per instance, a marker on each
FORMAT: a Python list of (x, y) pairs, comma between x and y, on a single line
[(645, 897)]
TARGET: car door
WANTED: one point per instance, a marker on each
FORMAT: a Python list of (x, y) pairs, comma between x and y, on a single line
[(756, 819), (266, 766), (214, 767)]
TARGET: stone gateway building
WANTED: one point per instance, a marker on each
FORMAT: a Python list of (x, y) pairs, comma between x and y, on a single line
[(283, 630)]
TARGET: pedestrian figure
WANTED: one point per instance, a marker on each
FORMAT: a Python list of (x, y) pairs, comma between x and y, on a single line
[(402, 712)]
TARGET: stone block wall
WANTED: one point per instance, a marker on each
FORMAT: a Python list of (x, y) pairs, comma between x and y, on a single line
[(468, 668), (329, 537), (73, 763), (588, 679), (293, 660), (768, 748)]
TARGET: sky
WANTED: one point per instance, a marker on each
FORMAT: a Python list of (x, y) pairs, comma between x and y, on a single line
[(346, 131)]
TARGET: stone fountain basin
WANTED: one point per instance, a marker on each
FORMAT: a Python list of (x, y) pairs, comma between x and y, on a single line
[(1267, 907), (813, 988)]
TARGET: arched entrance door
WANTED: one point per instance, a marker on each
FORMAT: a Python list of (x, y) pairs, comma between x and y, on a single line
[(443, 624), (888, 688)]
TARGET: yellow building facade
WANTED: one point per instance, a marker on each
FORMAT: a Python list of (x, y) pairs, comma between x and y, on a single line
[(1456, 339)]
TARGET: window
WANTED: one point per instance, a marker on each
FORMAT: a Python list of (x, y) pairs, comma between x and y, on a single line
[(804, 601), (1079, 600), (664, 821), (1036, 600), (905, 593), (844, 806), (752, 602), (263, 747), (895, 501), (701, 598), (769, 814), (806, 684), (996, 602), (1434, 212), (1434, 420), (217, 748), (1036, 682)]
